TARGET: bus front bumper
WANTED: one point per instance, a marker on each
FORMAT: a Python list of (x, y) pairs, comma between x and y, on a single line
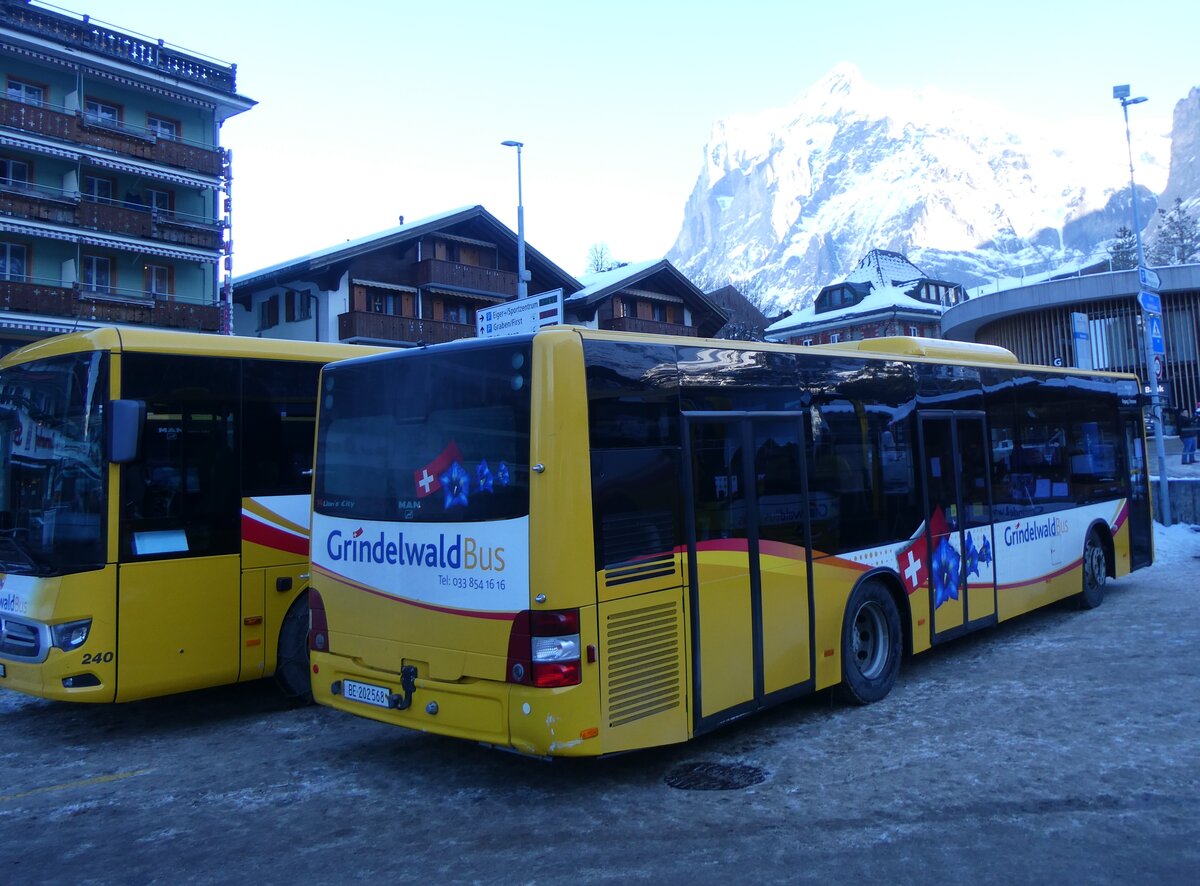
[(59, 678)]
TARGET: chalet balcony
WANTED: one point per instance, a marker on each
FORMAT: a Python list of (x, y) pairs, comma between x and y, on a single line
[(132, 141), (435, 272), (116, 217), (52, 299), (28, 201), (130, 219), (365, 325), (652, 327)]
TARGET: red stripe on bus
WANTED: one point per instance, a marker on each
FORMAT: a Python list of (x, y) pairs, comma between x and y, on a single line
[(358, 586), (268, 536)]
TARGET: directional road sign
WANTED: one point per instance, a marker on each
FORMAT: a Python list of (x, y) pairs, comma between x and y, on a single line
[(1148, 278), (1150, 301)]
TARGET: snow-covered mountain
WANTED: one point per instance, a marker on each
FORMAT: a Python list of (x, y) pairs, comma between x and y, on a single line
[(790, 200)]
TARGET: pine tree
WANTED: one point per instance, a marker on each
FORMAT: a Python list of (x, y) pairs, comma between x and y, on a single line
[(1123, 250), (1177, 240)]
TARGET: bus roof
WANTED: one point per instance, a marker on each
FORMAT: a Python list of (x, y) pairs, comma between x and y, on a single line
[(127, 338), (898, 347)]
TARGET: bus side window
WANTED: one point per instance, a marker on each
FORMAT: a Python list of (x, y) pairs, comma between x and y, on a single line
[(278, 423)]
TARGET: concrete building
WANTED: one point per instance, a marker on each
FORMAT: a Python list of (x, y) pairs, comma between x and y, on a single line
[(1035, 322), (114, 188)]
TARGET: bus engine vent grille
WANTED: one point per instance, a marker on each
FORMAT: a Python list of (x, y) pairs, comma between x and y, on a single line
[(643, 662)]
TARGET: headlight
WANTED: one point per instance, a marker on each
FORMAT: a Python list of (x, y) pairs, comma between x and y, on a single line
[(72, 634)]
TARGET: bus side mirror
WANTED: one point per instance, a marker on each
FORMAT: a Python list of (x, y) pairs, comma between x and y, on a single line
[(126, 418)]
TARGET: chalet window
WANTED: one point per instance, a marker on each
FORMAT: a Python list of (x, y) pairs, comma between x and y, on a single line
[(455, 314), (298, 307), (101, 113), (268, 312), (383, 302), (162, 201), (14, 172), (807, 342), (26, 93), (914, 331), (162, 127), (158, 280), (835, 337), (97, 273), (98, 189), (659, 312), (12, 261)]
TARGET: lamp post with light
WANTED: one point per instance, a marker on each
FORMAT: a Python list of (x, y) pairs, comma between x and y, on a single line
[(1121, 93), (522, 274)]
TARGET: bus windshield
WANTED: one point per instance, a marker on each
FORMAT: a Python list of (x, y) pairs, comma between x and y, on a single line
[(52, 477), (450, 430)]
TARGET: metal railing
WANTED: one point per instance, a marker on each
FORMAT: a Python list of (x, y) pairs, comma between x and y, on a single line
[(93, 36)]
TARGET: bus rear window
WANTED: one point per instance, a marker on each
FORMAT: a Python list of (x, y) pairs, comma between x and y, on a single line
[(425, 436)]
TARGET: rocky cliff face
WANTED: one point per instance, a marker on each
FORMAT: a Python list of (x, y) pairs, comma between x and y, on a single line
[(790, 200)]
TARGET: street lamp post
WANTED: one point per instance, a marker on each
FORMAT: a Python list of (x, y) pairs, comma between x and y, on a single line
[(522, 274), (1121, 93)]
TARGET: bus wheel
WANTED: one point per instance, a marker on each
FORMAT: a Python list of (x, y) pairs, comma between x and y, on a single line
[(291, 668), (1095, 573), (871, 641)]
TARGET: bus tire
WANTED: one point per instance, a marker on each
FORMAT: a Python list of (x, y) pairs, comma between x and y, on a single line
[(871, 644), (1095, 573), (291, 666)]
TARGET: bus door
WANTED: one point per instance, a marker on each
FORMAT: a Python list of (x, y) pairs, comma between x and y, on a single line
[(1140, 543), (750, 594), (179, 582), (960, 561)]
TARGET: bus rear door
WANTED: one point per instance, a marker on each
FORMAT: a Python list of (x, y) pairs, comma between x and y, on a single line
[(751, 601)]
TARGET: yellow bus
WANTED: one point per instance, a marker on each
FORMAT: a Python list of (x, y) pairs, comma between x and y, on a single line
[(154, 494), (583, 542)]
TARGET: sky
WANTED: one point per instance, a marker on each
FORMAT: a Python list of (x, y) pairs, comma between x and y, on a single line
[(369, 110)]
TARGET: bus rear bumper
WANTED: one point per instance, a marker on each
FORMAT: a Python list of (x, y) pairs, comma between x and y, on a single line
[(522, 718)]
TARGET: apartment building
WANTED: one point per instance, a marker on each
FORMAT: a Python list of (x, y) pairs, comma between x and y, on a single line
[(114, 188)]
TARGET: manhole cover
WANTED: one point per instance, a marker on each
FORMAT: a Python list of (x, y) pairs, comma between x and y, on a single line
[(714, 776)]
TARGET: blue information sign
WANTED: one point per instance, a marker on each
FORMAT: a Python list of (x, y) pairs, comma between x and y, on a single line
[(1154, 325), (1150, 301)]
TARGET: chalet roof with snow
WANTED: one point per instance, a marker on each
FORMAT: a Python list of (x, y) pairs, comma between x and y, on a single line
[(883, 284)]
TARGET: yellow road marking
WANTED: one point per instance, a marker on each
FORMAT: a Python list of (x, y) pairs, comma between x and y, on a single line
[(83, 783)]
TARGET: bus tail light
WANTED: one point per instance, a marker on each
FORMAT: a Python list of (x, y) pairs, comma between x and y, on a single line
[(318, 627), (544, 648)]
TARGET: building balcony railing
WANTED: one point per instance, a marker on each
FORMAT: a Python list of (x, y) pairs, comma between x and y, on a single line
[(109, 305), (360, 325), (653, 327), (133, 141), (90, 36), (18, 200), (32, 202), (434, 272)]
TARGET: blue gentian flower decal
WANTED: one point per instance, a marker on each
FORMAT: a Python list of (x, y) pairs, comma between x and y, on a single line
[(972, 555), (483, 477), (985, 552), (946, 563), (502, 474), (457, 485)]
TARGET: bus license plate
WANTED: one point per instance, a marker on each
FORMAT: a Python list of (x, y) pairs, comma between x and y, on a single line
[(366, 693)]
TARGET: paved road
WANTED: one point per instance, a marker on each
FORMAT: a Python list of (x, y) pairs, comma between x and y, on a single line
[(1062, 747)]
